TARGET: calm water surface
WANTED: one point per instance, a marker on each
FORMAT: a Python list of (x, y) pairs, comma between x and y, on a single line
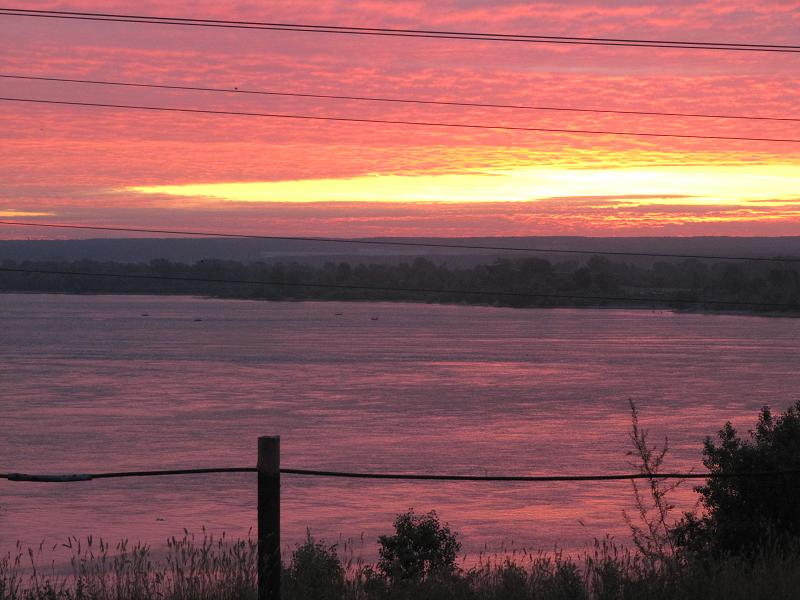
[(91, 384)]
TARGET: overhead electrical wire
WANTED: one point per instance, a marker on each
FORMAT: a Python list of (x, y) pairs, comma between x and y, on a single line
[(394, 32), (412, 290), (472, 126), (196, 88), (406, 243)]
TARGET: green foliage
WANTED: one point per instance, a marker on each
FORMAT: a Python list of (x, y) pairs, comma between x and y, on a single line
[(742, 514), (315, 572), (420, 546)]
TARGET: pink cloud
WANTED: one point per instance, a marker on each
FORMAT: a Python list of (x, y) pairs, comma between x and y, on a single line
[(86, 150)]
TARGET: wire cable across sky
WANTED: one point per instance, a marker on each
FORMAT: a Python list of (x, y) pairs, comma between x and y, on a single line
[(405, 33), (406, 243), (197, 88), (472, 126)]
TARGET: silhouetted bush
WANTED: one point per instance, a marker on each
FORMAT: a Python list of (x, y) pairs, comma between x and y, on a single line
[(742, 514), (420, 546), (315, 572)]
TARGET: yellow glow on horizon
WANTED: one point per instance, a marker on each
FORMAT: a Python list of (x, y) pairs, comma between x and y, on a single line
[(635, 186), (23, 213)]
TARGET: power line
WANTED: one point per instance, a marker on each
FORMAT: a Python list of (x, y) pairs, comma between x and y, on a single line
[(399, 122), (392, 32), (73, 477), (370, 288), (237, 90), (396, 242)]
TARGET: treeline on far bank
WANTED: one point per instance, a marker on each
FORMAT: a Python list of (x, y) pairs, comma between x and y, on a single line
[(771, 286)]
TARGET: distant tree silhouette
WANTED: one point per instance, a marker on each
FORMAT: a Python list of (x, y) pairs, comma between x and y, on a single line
[(733, 278), (582, 278), (676, 284), (603, 274)]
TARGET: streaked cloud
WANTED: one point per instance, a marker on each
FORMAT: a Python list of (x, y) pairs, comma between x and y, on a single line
[(13, 214), (654, 185), (123, 167)]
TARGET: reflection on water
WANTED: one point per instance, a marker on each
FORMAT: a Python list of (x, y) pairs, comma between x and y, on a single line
[(91, 384)]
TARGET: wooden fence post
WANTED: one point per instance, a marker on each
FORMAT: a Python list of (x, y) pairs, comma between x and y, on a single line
[(269, 518)]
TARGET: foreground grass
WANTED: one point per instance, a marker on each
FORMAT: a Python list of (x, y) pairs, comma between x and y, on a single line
[(208, 568)]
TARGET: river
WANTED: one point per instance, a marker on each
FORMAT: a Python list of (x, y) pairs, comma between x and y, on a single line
[(110, 383)]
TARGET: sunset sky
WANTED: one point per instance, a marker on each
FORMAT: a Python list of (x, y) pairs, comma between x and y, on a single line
[(115, 167)]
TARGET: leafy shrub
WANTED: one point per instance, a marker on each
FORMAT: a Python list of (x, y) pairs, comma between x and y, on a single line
[(742, 514), (565, 584), (315, 572), (420, 546)]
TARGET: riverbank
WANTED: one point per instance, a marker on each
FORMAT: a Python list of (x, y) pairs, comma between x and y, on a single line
[(605, 306), (618, 307)]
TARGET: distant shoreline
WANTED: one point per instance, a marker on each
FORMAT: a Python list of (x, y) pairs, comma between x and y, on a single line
[(692, 286), (638, 308)]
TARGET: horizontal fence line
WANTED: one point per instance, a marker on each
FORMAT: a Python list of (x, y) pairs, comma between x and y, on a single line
[(529, 478), (69, 477), (73, 477)]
